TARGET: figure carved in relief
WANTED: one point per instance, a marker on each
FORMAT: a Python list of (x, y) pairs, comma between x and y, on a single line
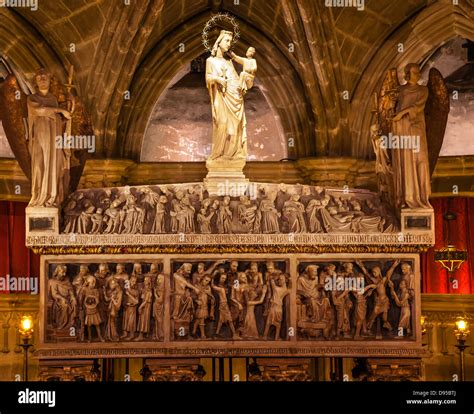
[(91, 299), (97, 220), (204, 221), (254, 277), (80, 278), (342, 303), (64, 299), (269, 214), (409, 277), (360, 312), (313, 213), (159, 306), (185, 216), (132, 296), (115, 217), (249, 217), (249, 329), (224, 217), (293, 213), (144, 310), (204, 300), (201, 271), (382, 302), (275, 313), (159, 222), (78, 283), (113, 297), (232, 273), (237, 291), (402, 300), (134, 217), (176, 208), (225, 316), (181, 284)]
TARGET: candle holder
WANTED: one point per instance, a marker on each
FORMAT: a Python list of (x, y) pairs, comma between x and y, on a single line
[(26, 333), (462, 333)]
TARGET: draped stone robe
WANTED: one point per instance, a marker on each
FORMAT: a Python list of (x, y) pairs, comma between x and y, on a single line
[(411, 168), (229, 136), (50, 166)]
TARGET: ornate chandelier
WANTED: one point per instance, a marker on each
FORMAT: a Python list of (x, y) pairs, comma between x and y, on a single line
[(450, 257)]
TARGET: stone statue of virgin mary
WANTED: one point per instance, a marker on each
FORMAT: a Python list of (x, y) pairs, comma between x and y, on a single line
[(229, 136)]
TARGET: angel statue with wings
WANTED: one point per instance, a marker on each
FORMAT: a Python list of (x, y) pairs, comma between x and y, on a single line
[(36, 126), (408, 134), (50, 164)]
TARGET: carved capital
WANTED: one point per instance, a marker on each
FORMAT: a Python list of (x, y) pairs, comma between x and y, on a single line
[(69, 370), (280, 369), (173, 370)]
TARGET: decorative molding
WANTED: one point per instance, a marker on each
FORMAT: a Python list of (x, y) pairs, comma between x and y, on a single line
[(359, 173), (203, 243), (231, 350), (339, 172)]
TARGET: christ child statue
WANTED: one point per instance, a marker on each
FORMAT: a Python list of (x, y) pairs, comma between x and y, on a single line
[(249, 69)]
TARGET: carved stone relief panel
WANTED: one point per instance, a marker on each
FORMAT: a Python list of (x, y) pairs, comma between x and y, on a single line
[(233, 304)]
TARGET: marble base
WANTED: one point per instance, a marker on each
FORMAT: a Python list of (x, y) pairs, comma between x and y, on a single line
[(226, 178), (42, 220)]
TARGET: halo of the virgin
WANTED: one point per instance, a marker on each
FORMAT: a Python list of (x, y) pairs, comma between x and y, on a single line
[(213, 22)]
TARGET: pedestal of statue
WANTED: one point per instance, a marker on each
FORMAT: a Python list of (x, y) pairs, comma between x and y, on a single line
[(226, 177), (42, 219)]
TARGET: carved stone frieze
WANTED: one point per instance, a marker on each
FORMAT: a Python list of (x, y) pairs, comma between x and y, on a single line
[(233, 305)]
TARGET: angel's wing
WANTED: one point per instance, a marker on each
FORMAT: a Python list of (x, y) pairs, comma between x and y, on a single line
[(81, 126), (386, 102), (436, 115), (13, 114)]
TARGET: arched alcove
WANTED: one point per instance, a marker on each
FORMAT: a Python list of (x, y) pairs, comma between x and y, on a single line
[(5, 149), (180, 126), (454, 64), (420, 37), (278, 79)]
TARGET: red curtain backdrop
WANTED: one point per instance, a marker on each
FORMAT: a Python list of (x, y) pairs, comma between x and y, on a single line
[(15, 259), (435, 279)]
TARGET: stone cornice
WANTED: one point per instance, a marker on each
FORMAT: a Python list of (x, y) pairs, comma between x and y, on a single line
[(450, 172)]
